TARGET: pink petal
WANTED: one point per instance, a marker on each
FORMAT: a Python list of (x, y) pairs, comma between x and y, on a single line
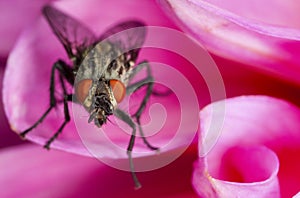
[(26, 89), (30, 171), (256, 167), (15, 16), (250, 121), (247, 32), (7, 137)]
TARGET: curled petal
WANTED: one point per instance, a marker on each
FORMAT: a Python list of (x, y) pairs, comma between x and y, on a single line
[(238, 32), (256, 167), (253, 120)]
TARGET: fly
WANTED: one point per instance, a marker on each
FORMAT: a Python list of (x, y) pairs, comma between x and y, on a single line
[(100, 81)]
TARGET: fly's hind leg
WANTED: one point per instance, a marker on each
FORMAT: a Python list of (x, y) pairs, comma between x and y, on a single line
[(64, 71), (127, 119), (148, 81)]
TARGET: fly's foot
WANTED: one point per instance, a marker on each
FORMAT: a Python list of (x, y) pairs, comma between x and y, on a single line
[(23, 134), (47, 146)]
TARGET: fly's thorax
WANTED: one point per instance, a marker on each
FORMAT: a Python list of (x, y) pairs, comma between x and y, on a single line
[(96, 61), (106, 61), (119, 69)]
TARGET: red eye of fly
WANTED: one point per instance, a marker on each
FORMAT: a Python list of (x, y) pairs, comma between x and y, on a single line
[(118, 89), (82, 89)]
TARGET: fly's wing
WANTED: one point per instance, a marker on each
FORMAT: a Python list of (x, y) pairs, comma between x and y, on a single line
[(129, 41), (75, 37)]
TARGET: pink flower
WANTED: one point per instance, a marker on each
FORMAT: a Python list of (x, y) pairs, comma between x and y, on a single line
[(249, 153)]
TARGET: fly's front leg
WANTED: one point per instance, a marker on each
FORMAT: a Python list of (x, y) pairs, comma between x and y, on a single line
[(65, 71), (148, 81), (127, 119)]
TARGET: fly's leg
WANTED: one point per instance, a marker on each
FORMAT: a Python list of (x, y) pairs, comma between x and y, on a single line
[(64, 71), (148, 81), (66, 113), (127, 119)]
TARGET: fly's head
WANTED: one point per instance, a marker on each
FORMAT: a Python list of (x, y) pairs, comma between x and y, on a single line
[(97, 98)]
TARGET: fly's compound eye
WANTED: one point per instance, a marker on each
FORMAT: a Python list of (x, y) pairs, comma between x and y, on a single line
[(82, 89), (118, 89)]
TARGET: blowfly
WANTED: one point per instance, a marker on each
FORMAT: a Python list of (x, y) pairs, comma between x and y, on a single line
[(100, 73)]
